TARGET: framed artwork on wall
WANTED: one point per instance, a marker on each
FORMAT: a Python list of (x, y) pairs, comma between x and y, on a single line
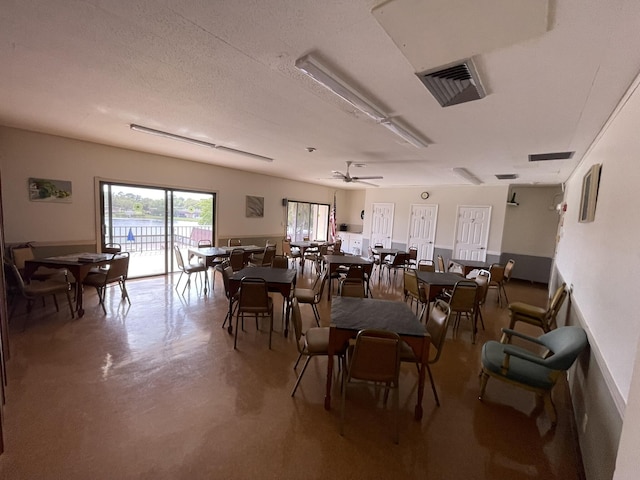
[(589, 198), (47, 190), (255, 206)]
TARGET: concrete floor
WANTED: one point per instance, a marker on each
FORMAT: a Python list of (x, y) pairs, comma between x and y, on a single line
[(156, 391)]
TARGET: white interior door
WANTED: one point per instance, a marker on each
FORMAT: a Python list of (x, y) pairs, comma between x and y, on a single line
[(422, 229), (382, 224), (472, 233)]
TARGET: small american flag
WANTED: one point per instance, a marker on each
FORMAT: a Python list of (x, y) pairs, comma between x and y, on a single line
[(332, 219)]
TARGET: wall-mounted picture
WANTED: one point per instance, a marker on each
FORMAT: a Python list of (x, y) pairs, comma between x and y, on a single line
[(255, 206), (590, 185), (47, 190)]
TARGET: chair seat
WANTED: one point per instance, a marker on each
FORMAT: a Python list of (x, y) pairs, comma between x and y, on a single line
[(305, 295), (317, 339), (522, 308), (45, 287), (259, 309), (520, 370), (95, 279)]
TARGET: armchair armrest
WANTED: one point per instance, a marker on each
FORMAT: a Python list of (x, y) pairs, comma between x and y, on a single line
[(507, 333), (510, 350)]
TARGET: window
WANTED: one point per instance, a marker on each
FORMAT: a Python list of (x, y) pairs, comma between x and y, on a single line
[(307, 220), (590, 184)]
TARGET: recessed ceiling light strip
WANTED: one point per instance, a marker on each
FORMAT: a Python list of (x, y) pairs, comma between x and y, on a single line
[(193, 141), (321, 74)]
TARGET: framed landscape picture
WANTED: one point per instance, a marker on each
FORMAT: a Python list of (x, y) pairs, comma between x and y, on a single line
[(47, 190)]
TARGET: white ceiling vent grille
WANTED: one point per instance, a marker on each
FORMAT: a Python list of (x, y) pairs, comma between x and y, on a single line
[(455, 84)]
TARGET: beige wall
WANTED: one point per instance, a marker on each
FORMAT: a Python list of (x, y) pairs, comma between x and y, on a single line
[(448, 199), (26, 154)]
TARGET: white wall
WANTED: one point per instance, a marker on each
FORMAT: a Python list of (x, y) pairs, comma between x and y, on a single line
[(26, 154), (447, 199)]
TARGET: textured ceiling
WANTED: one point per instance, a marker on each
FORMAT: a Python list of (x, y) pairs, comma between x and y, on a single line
[(223, 72)]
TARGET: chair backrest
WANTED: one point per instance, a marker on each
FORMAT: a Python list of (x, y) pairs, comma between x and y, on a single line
[(118, 268), (280, 261), (352, 288), (227, 271), (318, 287), (254, 295), (463, 298), (555, 304), (426, 266), (337, 246), (482, 279), (234, 242), (296, 319), (20, 255), (411, 283), (112, 248), (376, 356), (508, 269), (440, 263), (269, 253), (13, 276), (204, 243), (355, 272), (179, 258), (437, 326), (286, 247), (564, 344), (497, 273), (378, 245), (413, 253), (236, 259), (399, 259), (323, 249)]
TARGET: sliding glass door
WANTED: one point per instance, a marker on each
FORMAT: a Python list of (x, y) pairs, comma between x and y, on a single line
[(148, 221), (307, 220)]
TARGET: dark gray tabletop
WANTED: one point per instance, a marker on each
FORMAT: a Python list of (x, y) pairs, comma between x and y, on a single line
[(439, 279), (360, 313)]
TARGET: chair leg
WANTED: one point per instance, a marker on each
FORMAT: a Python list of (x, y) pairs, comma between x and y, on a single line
[(316, 314), (550, 408), (433, 386), (304, 368), (70, 304), (55, 301), (484, 378), (270, 328), (396, 405)]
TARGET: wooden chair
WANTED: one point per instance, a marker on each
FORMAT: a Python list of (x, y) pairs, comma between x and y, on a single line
[(413, 291), (543, 317), (312, 296)]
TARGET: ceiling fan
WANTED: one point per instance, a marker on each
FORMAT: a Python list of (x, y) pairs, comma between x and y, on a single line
[(347, 178)]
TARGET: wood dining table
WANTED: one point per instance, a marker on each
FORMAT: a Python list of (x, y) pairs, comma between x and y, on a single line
[(78, 264), (350, 315), (335, 261), (282, 280)]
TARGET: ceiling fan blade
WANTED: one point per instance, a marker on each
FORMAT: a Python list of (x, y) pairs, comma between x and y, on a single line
[(355, 179), (365, 183)]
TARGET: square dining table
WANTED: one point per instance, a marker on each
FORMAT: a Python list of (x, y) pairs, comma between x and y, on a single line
[(335, 261), (350, 315)]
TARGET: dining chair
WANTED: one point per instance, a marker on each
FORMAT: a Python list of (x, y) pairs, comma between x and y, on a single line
[(482, 278), (236, 259), (440, 261), (543, 317), (375, 358), (413, 291), (312, 343), (112, 248), (312, 296), (31, 291), (412, 259), (263, 259), (288, 251), (227, 272), (463, 302), (426, 266), (280, 261), (21, 254), (526, 369), (497, 280), (116, 273), (188, 269), (397, 262), (234, 242), (437, 326), (254, 300)]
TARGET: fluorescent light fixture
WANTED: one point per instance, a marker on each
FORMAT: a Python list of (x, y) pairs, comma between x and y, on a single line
[(404, 134), (321, 74), (467, 175), (193, 141), (316, 70)]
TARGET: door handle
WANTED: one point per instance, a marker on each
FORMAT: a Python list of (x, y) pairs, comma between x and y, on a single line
[(482, 248)]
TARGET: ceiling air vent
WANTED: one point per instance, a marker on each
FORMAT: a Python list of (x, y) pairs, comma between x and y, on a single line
[(506, 176), (455, 84), (541, 157)]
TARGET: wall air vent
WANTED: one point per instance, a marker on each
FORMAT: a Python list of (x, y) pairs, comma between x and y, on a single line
[(541, 157), (454, 84), (506, 176)]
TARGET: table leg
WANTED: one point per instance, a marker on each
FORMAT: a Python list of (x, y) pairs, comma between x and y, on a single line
[(287, 307), (79, 299), (230, 327), (327, 395)]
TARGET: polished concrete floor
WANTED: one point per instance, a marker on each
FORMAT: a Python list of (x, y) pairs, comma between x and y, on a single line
[(156, 391)]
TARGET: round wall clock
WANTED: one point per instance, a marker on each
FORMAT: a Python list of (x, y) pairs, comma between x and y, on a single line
[(424, 195), (362, 215)]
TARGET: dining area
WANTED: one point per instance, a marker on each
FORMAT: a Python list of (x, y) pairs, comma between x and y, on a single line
[(172, 342)]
